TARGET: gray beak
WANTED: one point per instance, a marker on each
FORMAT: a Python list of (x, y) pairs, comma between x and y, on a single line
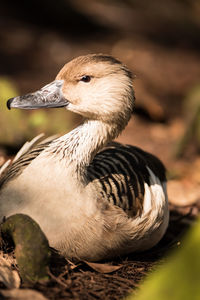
[(47, 97)]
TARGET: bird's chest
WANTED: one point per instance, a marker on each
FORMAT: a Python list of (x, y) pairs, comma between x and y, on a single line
[(40, 181), (46, 190)]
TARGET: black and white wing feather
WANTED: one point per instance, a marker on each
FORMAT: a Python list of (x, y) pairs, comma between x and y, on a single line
[(120, 173)]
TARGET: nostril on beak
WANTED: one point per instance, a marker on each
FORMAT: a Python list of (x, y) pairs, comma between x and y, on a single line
[(9, 103)]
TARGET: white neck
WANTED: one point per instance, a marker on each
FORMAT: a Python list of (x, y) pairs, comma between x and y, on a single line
[(79, 146)]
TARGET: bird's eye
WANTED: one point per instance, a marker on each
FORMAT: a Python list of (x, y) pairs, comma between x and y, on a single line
[(86, 78)]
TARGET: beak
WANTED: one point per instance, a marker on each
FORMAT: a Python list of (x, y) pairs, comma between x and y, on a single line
[(47, 97)]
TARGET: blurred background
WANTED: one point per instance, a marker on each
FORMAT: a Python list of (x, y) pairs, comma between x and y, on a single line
[(158, 40)]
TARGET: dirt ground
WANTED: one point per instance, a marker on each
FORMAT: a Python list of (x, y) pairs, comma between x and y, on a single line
[(160, 45)]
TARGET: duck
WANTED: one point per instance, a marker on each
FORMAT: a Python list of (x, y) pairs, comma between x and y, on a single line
[(94, 198)]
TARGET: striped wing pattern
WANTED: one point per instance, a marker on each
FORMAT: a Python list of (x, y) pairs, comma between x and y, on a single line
[(119, 173)]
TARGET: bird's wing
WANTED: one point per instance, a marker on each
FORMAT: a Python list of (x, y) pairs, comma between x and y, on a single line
[(120, 173), (28, 152)]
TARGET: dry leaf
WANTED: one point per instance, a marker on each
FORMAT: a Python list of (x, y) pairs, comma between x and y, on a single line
[(103, 268), (72, 265), (22, 294), (10, 278)]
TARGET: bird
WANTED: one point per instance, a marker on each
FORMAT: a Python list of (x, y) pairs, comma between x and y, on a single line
[(94, 198)]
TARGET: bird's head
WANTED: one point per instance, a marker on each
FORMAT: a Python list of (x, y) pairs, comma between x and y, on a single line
[(96, 86)]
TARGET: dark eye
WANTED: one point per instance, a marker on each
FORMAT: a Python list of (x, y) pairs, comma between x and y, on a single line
[(86, 78)]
